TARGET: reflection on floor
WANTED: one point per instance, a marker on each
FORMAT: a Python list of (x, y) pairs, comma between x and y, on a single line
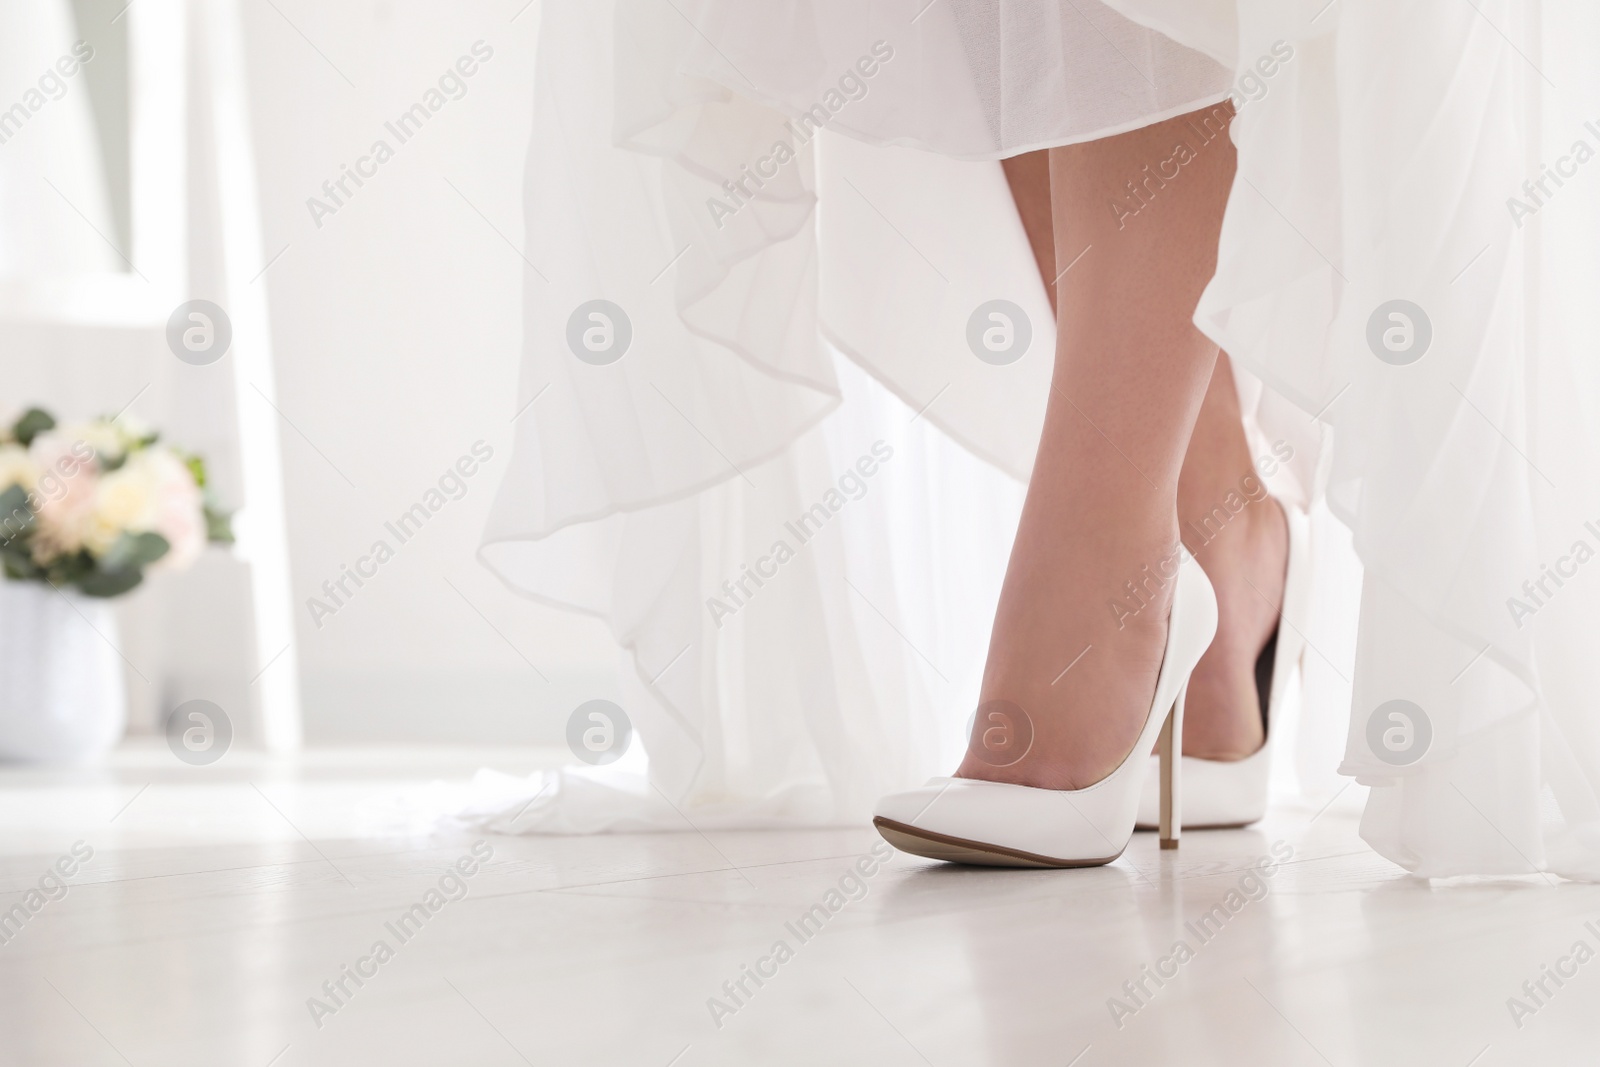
[(263, 913)]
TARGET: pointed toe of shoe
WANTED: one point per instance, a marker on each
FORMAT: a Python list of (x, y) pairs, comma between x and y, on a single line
[(994, 824), (951, 819), (907, 806)]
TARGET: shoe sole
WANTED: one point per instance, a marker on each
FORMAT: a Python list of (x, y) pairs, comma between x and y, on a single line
[(936, 846)]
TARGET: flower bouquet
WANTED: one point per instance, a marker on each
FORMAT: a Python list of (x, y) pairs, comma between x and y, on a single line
[(91, 506)]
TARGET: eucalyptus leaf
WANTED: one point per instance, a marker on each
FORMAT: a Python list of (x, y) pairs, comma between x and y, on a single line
[(68, 570), (18, 564), (110, 583), (16, 517), (219, 526), (34, 422), (133, 551)]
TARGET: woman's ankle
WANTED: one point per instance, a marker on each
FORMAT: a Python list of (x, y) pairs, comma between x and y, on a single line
[(1244, 555)]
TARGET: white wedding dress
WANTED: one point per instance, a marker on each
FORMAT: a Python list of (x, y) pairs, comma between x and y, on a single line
[(796, 296)]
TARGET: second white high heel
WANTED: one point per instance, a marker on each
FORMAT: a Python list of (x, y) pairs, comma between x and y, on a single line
[(1225, 795), (997, 824)]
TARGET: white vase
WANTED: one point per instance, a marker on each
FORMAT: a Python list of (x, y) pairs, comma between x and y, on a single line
[(61, 684)]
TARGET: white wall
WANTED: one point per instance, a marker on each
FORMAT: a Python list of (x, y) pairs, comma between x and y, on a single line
[(397, 331)]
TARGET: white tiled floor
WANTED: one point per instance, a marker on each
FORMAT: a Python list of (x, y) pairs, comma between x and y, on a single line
[(219, 900)]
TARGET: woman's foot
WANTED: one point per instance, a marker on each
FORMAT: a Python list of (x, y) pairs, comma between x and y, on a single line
[(1077, 648), (1072, 728)]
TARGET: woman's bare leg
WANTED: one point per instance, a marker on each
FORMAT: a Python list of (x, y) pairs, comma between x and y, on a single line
[(1239, 535), (1069, 647), (1029, 178), (1243, 551)]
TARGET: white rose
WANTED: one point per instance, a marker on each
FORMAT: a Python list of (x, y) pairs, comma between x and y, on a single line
[(17, 468), (179, 508), (102, 436), (124, 502), (130, 429)]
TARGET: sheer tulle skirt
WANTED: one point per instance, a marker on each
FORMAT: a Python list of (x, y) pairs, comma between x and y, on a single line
[(776, 198)]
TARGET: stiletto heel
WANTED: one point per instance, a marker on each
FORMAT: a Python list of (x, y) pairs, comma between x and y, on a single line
[(996, 824), (1171, 773)]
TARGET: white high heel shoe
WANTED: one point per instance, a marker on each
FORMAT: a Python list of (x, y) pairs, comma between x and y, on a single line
[(1225, 795), (996, 824)]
